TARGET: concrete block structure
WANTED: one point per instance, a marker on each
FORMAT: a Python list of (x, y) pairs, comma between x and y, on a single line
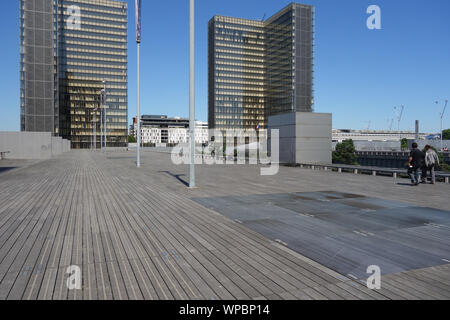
[(32, 145), (305, 137)]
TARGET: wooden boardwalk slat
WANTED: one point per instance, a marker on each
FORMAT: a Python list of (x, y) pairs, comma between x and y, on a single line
[(266, 261), (31, 237), (139, 234)]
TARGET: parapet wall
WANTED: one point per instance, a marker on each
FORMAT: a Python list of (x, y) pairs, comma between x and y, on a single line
[(32, 145)]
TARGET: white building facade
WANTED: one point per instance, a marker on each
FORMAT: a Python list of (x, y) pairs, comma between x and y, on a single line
[(172, 134), (340, 135)]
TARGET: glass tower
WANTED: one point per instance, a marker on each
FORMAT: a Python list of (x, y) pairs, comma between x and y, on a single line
[(236, 73), (86, 42), (260, 68), (37, 66)]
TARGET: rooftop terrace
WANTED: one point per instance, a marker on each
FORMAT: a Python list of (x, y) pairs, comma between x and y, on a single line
[(141, 234)]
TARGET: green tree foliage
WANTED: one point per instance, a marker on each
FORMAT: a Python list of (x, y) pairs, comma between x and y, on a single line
[(444, 166), (131, 139), (345, 153), (446, 134), (404, 144)]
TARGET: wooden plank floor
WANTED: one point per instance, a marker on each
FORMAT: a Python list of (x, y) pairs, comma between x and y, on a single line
[(137, 234)]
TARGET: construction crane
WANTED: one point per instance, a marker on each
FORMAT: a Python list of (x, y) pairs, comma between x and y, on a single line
[(390, 123), (399, 112), (442, 119), (369, 123)]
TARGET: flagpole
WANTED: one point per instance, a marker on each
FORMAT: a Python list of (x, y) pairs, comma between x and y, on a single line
[(138, 41), (192, 92), (138, 162)]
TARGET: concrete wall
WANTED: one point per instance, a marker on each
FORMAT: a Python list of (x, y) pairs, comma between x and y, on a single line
[(57, 145), (305, 137), (32, 145), (67, 145)]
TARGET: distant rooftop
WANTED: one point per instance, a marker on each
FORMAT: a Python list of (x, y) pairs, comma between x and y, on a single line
[(374, 131)]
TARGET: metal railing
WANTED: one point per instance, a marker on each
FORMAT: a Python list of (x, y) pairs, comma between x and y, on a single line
[(375, 171)]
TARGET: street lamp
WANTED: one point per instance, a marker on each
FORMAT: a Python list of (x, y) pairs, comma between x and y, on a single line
[(104, 101), (94, 129), (103, 116), (192, 92), (101, 121)]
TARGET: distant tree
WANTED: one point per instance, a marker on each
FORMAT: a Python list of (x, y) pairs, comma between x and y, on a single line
[(131, 139), (446, 134), (444, 166), (404, 144), (345, 153)]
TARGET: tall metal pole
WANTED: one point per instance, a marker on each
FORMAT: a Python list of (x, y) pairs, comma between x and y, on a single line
[(437, 105), (92, 140), (104, 112), (192, 92), (138, 41), (442, 126), (104, 126), (442, 143), (101, 128), (138, 133), (94, 129)]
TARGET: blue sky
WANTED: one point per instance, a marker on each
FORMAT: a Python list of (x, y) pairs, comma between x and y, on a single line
[(360, 75)]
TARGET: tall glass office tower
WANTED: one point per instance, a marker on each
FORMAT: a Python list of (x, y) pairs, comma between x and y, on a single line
[(260, 68), (237, 95), (37, 66), (85, 44)]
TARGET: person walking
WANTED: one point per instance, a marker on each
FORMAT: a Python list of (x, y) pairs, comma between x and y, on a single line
[(431, 161), (415, 164)]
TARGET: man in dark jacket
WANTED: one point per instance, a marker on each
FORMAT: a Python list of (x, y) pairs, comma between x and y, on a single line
[(415, 164)]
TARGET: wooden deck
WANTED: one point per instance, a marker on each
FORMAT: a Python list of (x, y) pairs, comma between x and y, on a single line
[(138, 234)]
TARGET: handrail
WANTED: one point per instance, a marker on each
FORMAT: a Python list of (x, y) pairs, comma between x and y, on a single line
[(374, 170)]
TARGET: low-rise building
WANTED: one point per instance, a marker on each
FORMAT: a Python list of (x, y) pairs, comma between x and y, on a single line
[(340, 135), (162, 130)]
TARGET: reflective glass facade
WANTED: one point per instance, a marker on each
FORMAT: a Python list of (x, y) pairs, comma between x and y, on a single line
[(36, 66), (260, 68), (237, 68), (89, 44)]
